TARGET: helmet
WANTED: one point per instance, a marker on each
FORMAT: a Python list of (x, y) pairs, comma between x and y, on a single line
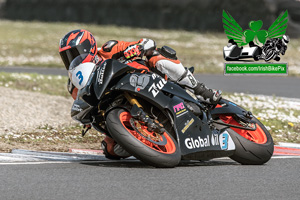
[(285, 39), (75, 43)]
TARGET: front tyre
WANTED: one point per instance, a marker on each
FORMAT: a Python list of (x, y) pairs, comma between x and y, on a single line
[(252, 147), (150, 147)]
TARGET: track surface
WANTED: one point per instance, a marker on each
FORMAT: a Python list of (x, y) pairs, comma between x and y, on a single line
[(267, 85), (131, 179)]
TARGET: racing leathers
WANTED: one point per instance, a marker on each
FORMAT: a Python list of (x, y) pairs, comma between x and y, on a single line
[(161, 60)]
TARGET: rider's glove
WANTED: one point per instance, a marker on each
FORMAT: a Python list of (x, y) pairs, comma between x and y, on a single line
[(133, 51)]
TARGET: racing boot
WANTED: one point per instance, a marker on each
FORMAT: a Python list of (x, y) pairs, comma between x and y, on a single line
[(207, 95), (113, 150), (164, 61)]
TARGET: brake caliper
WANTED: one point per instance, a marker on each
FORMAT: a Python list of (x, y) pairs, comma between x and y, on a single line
[(141, 116), (246, 119)]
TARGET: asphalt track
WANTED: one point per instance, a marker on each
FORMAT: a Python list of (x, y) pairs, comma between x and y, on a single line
[(131, 179), (282, 86)]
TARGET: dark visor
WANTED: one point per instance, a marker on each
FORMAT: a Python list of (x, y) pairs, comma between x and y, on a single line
[(68, 55)]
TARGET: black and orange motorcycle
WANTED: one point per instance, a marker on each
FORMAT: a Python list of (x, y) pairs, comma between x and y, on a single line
[(161, 123)]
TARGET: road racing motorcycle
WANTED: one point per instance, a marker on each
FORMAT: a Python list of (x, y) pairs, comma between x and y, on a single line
[(162, 123)]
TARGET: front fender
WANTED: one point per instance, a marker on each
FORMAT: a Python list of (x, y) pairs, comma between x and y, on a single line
[(227, 107)]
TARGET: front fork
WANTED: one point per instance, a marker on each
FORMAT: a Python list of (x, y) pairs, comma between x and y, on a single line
[(132, 100), (138, 113)]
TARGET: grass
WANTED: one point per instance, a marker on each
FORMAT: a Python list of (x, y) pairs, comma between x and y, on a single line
[(39, 46), (280, 116), (51, 139), (53, 85)]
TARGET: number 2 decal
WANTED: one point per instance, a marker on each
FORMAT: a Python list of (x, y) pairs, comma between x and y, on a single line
[(79, 76)]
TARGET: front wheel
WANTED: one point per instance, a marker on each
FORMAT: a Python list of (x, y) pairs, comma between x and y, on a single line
[(158, 150), (252, 147), (269, 55)]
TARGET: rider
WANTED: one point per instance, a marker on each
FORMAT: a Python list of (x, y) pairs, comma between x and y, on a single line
[(279, 43), (162, 60)]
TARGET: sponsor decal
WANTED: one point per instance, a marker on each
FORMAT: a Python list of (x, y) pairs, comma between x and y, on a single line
[(215, 139), (154, 76), (139, 82), (156, 87), (223, 140), (179, 109), (100, 73), (199, 142), (76, 107), (187, 125)]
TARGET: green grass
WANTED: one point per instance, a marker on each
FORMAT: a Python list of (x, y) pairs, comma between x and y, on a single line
[(51, 139), (280, 116), (36, 44), (47, 84)]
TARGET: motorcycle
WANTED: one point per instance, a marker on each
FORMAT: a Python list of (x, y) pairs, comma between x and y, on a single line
[(161, 123), (274, 47), (232, 52), (270, 52)]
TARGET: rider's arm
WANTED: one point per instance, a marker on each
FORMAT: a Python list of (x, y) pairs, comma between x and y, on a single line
[(114, 49)]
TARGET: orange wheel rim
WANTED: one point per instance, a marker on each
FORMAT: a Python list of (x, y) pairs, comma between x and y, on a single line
[(258, 136), (168, 148)]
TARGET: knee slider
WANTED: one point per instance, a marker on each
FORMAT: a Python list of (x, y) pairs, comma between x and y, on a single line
[(168, 52)]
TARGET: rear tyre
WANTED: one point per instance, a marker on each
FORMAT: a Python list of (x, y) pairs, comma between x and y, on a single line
[(151, 148), (252, 147)]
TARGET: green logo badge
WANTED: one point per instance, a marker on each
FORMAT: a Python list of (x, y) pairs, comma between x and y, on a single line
[(263, 44), (259, 36)]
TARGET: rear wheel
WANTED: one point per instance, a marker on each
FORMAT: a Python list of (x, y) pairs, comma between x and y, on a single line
[(252, 147), (158, 150)]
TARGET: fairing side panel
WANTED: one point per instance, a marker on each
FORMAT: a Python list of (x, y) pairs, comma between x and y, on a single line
[(193, 134)]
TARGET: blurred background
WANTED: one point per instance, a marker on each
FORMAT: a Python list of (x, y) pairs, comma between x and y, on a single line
[(30, 29), (196, 15)]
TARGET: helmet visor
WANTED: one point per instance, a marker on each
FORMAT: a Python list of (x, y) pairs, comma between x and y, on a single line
[(69, 55), (77, 61)]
